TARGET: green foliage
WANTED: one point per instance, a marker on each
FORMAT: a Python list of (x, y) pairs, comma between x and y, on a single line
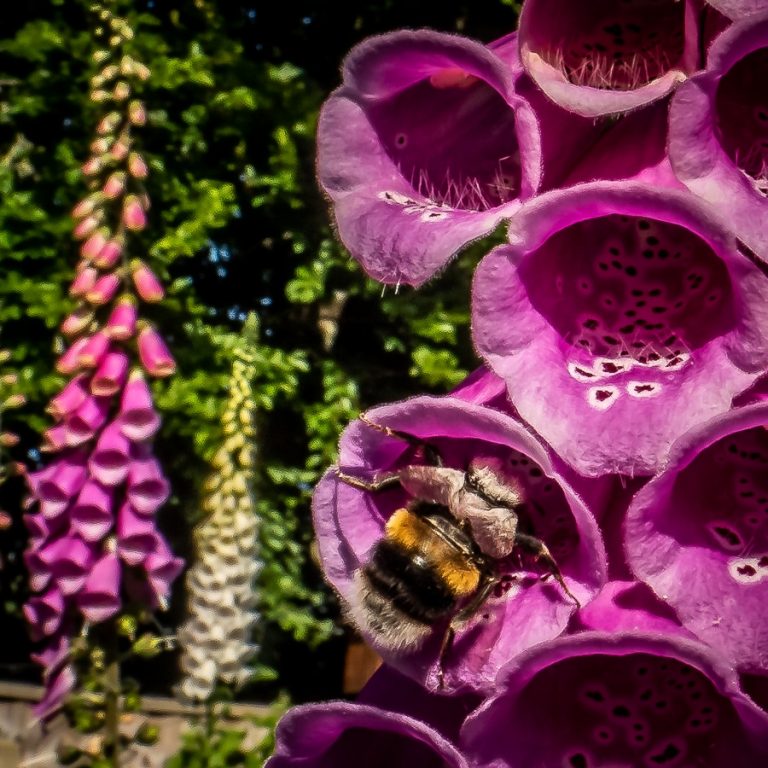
[(216, 746)]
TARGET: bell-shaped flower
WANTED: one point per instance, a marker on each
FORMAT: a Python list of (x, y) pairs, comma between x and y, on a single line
[(57, 689), (110, 375), (147, 487), (44, 613), (427, 146), (617, 699), (91, 515), (69, 560), (607, 57), (136, 535), (100, 596), (69, 399), (111, 458), (697, 534), (55, 485), (138, 418), (620, 317), (523, 609), (718, 136), (338, 733)]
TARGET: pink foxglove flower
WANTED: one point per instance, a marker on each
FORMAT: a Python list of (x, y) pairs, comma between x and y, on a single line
[(719, 131), (624, 698), (620, 316), (427, 146), (697, 535), (608, 57), (524, 610)]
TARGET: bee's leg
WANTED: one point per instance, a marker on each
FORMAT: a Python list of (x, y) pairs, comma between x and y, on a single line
[(540, 552), (431, 453), (484, 589), (372, 486)]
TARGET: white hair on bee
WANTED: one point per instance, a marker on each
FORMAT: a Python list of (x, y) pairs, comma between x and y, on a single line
[(375, 615)]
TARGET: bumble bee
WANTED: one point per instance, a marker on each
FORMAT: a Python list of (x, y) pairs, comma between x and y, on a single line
[(438, 560)]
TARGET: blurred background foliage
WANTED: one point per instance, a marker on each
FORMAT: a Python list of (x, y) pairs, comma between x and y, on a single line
[(237, 225)]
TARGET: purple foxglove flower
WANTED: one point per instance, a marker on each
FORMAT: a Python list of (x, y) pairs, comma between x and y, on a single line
[(44, 613), (339, 733), (154, 353), (69, 399), (55, 485), (104, 289), (145, 281), (426, 147), (122, 322), (697, 535), (94, 349), (161, 569), (89, 417), (136, 535), (718, 135), (138, 418), (524, 610), (482, 387), (91, 515), (111, 458), (69, 560), (100, 596), (624, 699), (147, 488), (57, 438), (109, 254), (609, 57), (620, 317), (39, 573), (110, 375), (69, 361), (57, 688), (84, 281)]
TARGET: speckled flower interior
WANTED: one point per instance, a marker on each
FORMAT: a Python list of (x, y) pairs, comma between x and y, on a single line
[(606, 708), (632, 296), (616, 44)]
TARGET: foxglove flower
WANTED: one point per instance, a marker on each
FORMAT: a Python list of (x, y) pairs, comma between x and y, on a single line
[(338, 733), (525, 610), (625, 698), (216, 638), (697, 534), (427, 146), (719, 131), (101, 459), (608, 57), (620, 317)]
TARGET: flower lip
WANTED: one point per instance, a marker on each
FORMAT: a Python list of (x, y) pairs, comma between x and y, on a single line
[(735, 9), (697, 534), (608, 57), (338, 733), (398, 149), (615, 298), (611, 698), (718, 138), (349, 522)]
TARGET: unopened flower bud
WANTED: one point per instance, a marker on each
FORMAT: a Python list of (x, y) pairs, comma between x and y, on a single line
[(122, 91), (102, 145), (136, 166), (148, 646), (8, 439), (77, 321), (91, 248), (9, 379), (109, 255), (148, 734), (5, 355), (120, 149), (134, 217), (127, 625), (104, 289), (136, 113), (86, 227), (144, 279), (109, 123), (99, 96), (85, 206), (84, 280), (100, 56), (114, 185), (154, 354)]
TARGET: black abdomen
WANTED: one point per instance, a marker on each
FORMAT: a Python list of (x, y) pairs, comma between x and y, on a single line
[(409, 582)]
